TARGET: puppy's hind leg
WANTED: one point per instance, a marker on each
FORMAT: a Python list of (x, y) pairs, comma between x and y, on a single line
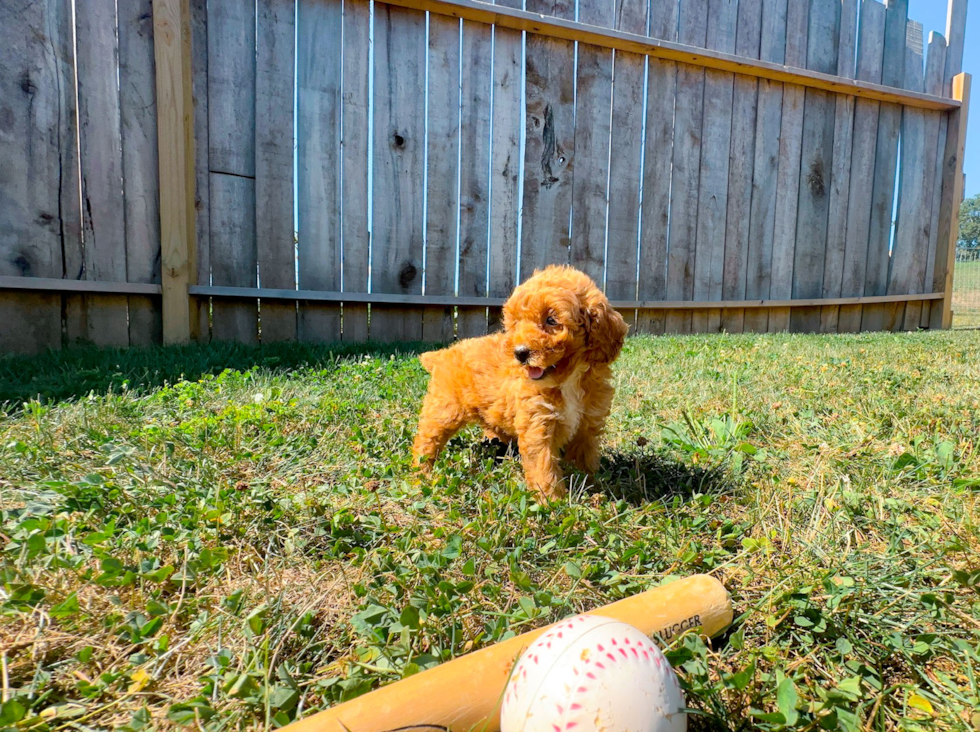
[(439, 421)]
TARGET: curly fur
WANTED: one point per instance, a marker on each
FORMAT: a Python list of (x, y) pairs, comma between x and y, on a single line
[(571, 335)]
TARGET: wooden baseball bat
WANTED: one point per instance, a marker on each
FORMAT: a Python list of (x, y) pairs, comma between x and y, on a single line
[(464, 694)]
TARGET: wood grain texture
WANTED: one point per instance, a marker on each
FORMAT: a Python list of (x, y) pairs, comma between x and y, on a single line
[(907, 268), (141, 175), (955, 41), (474, 175), (765, 167), (175, 50), (657, 161), (274, 230), (817, 154), (318, 63), (685, 177), (233, 256), (505, 162), (231, 140), (840, 177), (934, 80), (716, 135), (354, 195), (443, 167), (593, 100), (625, 156), (549, 144), (789, 167), (99, 319), (202, 173), (39, 204), (886, 162), (742, 157), (863, 149), (399, 150)]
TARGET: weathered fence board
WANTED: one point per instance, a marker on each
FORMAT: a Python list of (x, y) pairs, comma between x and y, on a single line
[(625, 157), (505, 160), (863, 151), (355, 233), (39, 208), (318, 63), (886, 162), (99, 319), (685, 175), (935, 71), (840, 177), (474, 175), (399, 156), (275, 61), (716, 135), (657, 160), (593, 99), (141, 175), (765, 167), (817, 153), (231, 157), (202, 172)]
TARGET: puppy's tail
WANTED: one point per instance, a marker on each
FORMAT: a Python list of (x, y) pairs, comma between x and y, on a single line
[(428, 360)]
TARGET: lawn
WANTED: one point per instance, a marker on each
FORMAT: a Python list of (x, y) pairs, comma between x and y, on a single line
[(231, 537), (966, 295)]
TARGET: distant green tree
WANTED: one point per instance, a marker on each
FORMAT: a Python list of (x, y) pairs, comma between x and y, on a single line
[(968, 246)]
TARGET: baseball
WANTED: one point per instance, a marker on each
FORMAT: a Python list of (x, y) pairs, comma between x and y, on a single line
[(593, 673)]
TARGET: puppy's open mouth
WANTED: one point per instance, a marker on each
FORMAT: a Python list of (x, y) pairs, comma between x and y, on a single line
[(536, 372)]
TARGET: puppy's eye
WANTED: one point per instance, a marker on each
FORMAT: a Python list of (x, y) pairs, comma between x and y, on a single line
[(551, 321)]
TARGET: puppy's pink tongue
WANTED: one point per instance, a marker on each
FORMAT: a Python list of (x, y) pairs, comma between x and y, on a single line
[(535, 372)]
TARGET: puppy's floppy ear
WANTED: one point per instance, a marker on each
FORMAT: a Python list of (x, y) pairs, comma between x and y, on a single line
[(605, 327)]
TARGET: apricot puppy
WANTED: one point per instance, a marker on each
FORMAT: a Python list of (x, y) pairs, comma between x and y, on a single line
[(544, 381)]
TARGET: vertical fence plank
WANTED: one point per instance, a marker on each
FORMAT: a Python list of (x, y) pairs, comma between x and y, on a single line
[(886, 162), (399, 148), (657, 161), (593, 99), (953, 190), (318, 63), (202, 174), (231, 140), (39, 208), (505, 162), (549, 143), (274, 71), (788, 175), (840, 175), (906, 273), (688, 115), (716, 135), (99, 319), (935, 72), (354, 195), (948, 162), (443, 167), (817, 154), (474, 175), (765, 168), (141, 177), (863, 150), (624, 160), (744, 108)]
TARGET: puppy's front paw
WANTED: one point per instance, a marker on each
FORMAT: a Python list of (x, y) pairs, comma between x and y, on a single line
[(550, 493)]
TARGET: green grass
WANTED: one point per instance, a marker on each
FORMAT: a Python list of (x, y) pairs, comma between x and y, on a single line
[(966, 295), (230, 537)]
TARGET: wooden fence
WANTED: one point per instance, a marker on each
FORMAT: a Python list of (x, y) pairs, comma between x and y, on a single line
[(348, 170)]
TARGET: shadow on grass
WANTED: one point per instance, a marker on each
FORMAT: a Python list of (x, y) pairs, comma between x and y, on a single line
[(637, 477), (74, 373)]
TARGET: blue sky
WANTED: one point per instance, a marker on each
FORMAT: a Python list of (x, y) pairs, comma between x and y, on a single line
[(932, 15)]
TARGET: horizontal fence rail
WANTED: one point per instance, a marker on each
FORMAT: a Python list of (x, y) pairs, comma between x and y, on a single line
[(325, 170)]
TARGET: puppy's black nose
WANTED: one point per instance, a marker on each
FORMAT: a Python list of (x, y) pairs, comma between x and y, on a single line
[(522, 353)]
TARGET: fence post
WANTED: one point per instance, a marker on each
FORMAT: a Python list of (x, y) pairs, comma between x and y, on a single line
[(175, 140), (957, 137)]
